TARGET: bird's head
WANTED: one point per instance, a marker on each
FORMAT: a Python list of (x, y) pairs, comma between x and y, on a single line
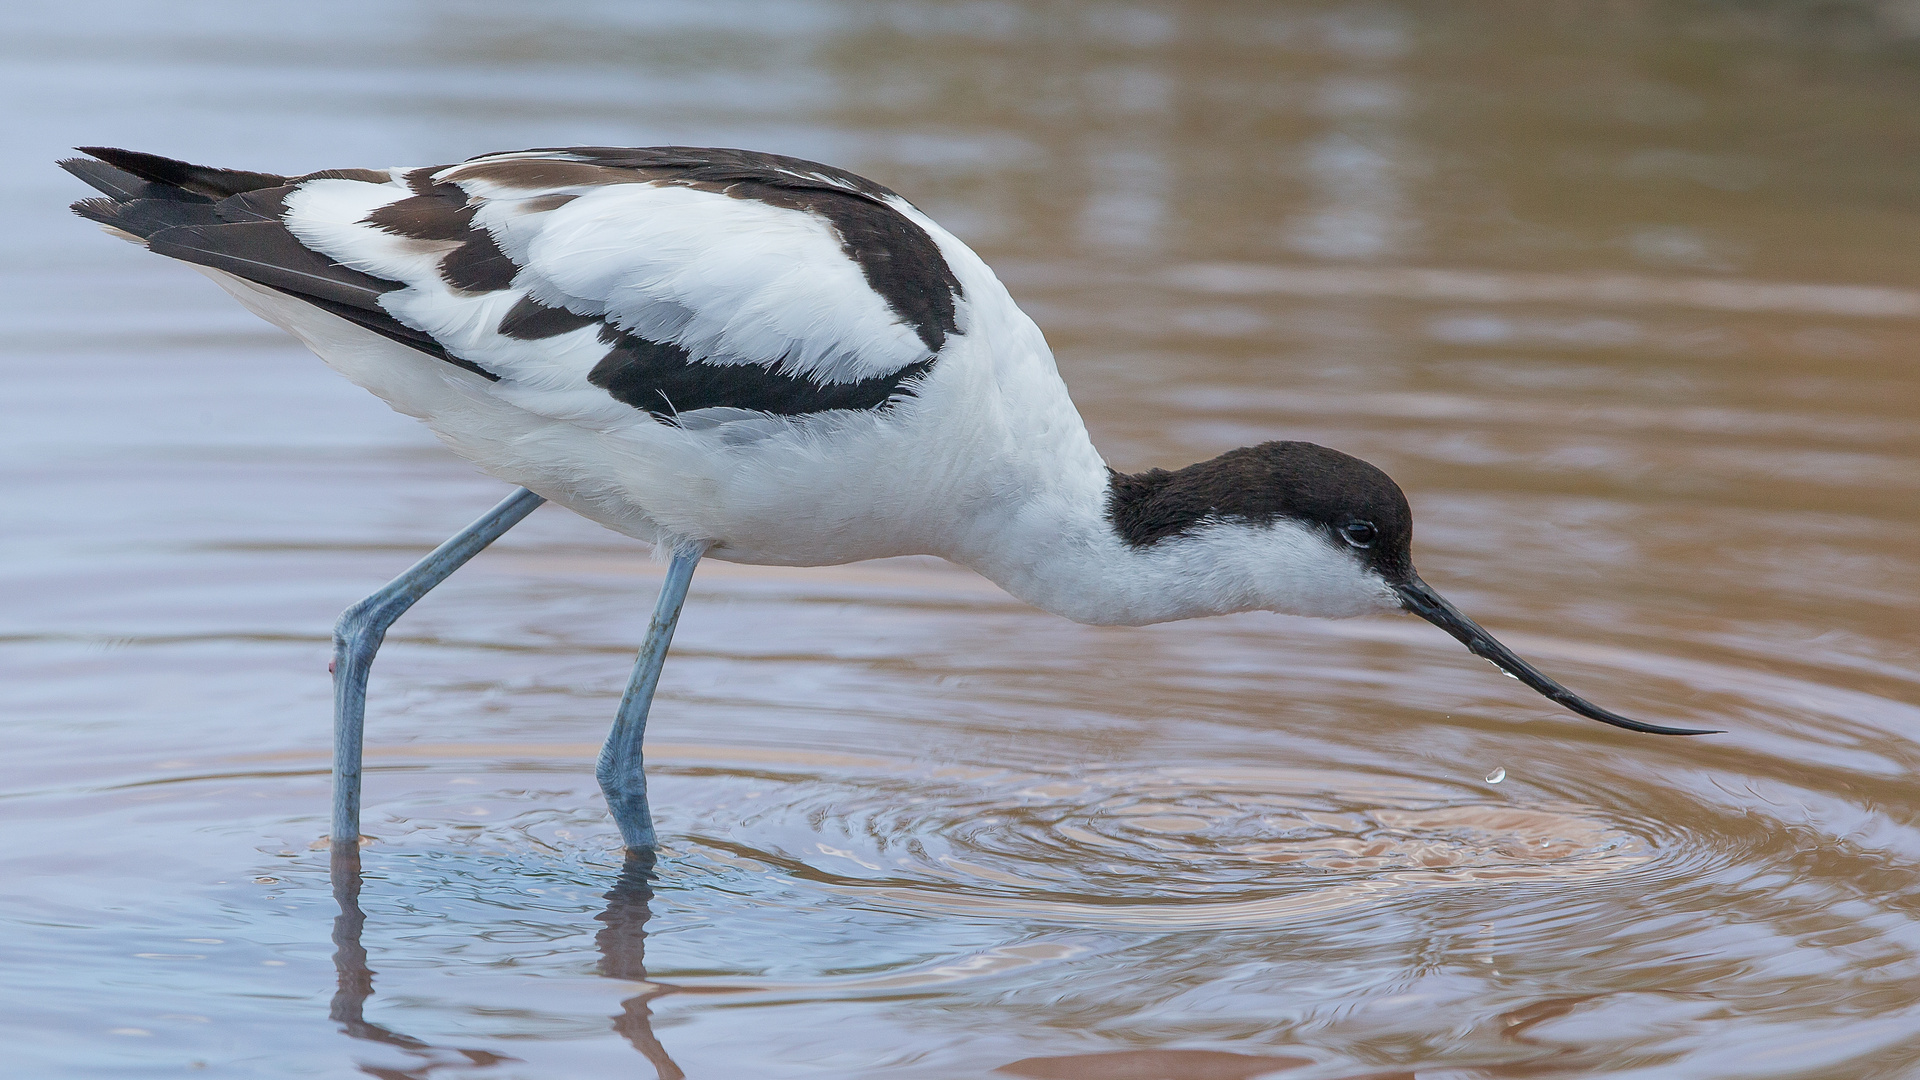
[(1301, 529)]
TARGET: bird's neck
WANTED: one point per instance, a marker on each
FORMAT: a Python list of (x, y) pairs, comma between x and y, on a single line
[(1032, 512), (1055, 549), (1041, 530)]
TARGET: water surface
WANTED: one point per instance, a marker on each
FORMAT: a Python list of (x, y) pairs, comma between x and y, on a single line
[(1624, 296)]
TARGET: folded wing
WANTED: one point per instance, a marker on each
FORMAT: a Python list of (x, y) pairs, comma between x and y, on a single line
[(583, 283)]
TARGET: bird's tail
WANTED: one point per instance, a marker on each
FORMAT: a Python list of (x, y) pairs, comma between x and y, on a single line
[(146, 193), (233, 221)]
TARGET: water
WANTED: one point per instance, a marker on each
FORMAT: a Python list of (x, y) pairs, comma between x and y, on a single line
[(1624, 297)]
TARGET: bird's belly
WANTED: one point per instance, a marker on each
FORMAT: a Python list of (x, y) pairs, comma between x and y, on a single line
[(828, 490), (666, 486)]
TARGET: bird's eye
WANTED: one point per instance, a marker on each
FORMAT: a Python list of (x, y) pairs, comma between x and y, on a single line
[(1360, 534)]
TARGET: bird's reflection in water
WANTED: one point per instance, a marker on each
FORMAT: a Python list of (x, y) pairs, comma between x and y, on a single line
[(622, 946), (623, 955), (355, 985)]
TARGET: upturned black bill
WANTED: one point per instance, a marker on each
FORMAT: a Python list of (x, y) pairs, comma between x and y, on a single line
[(1419, 598)]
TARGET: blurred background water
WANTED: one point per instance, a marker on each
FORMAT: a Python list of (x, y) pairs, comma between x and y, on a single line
[(1623, 294)]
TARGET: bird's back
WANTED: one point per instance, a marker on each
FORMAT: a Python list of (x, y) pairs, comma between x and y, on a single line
[(768, 353)]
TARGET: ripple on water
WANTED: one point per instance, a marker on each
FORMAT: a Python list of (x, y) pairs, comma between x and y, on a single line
[(1149, 847)]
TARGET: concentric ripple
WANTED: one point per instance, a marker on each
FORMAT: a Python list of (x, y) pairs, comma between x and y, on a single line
[(1159, 847)]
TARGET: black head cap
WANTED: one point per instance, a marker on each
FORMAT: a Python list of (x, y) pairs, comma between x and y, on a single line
[(1353, 503)]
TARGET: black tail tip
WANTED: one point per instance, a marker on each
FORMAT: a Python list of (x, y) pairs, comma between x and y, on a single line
[(201, 181)]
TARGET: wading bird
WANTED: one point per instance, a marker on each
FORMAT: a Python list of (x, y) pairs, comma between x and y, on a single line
[(757, 359)]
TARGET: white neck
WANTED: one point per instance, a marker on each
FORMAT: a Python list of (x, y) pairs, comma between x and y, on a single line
[(1040, 530), (1032, 514)]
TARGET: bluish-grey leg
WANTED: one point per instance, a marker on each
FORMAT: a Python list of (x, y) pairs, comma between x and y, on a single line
[(622, 774), (361, 629)]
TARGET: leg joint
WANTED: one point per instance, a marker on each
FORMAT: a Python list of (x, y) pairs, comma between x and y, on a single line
[(364, 625)]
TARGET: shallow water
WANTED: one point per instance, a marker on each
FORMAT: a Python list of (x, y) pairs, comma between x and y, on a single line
[(1624, 296)]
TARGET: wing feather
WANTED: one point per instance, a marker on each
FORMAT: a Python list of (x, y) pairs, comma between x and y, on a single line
[(586, 283)]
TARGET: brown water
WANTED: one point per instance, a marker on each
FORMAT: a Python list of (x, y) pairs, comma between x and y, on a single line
[(1625, 296)]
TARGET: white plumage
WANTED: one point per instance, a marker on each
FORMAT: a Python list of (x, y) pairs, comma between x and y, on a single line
[(986, 462), (761, 360)]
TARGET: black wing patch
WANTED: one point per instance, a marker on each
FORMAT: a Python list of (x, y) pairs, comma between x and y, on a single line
[(442, 212), (662, 380), (530, 320)]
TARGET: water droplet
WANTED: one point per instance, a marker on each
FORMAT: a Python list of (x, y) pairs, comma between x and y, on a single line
[(1497, 775)]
